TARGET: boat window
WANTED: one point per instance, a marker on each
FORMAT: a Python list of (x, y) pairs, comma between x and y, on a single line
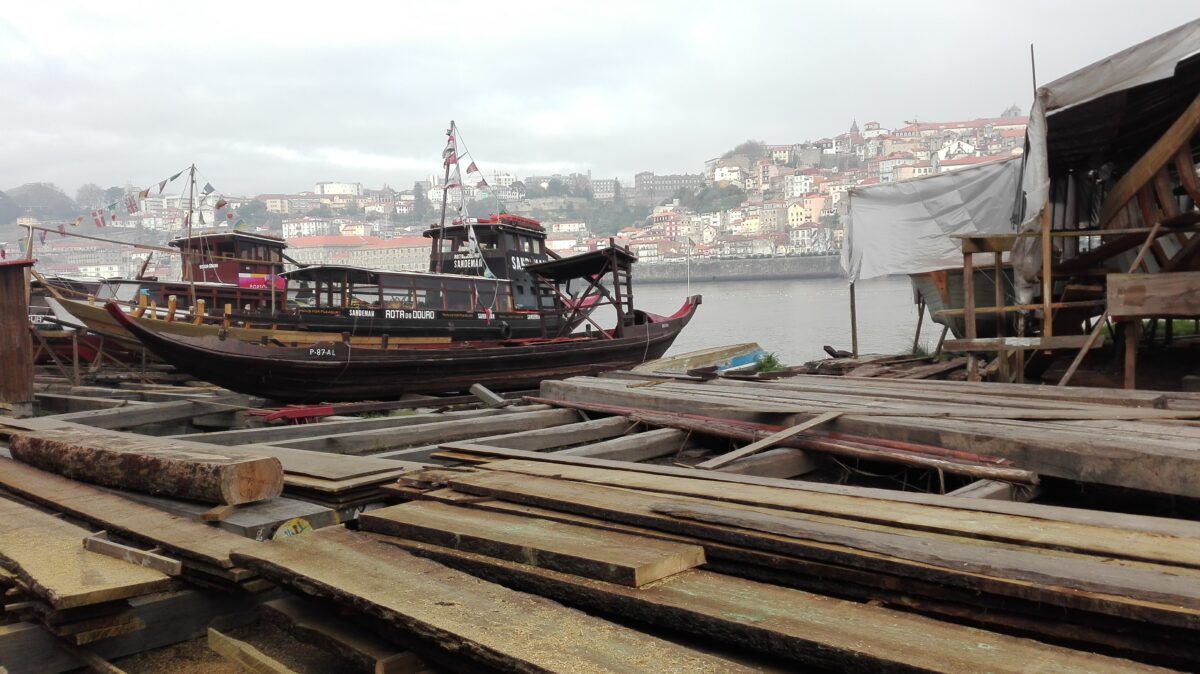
[(364, 296), (458, 300), (526, 245), (457, 284), (302, 296), (537, 246)]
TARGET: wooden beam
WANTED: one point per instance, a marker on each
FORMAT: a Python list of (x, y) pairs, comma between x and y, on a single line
[(1009, 343), (315, 623), (784, 462), (643, 446), (1174, 295), (1165, 149), (132, 416), (99, 543), (613, 557), (244, 655), (768, 442), (141, 463), (458, 621)]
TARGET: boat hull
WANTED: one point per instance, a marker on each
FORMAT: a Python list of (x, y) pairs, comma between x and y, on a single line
[(336, 371)]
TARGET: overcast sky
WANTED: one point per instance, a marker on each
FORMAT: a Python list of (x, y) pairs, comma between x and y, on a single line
[(268, 97)]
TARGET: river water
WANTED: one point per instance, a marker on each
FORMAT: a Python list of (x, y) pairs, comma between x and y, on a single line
[(793, 317)]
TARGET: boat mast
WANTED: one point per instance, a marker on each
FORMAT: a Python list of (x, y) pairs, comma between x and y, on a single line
[(450, 147), (191, 200)]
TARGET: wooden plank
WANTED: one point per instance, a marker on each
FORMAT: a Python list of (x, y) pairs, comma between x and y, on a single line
[(1140, 523), (99, 543), (798, 626), (244, 655), (1026, 343), (1164, 599), (270, 434), (480, 624), (781, 463), (650, 444), (368, 442), (131, 416), (541, 439), (135, 521), (769, 441), (1022, 530), (257, 521), (1154, 295), (316, 623), (616, 558), (150, 465), (47, 554)]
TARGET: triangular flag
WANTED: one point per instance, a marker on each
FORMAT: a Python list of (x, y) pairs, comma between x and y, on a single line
[(452, 159), (482, 184), (144, 193), (112, 207), (208, 188), (172, 178), (77, 221), (3, 254), (62, 230), (451, 186), (472, 168), (162, 186), (221, 203), (201, 217)]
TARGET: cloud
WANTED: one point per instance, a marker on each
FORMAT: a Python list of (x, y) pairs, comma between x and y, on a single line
[(271, 97)]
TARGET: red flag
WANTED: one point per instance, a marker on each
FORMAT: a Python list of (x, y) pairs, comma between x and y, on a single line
[(472, 168), (98, 218), (62, 230), (451, 159), (482, 183), (3, 253), (42, 236), (131, 204)]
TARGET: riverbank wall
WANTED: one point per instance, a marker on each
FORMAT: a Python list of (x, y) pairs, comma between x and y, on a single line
[(753, 269)]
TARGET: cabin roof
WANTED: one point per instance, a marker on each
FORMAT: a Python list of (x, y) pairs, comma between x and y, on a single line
[(209, 237), (314, 272), (582, 265)]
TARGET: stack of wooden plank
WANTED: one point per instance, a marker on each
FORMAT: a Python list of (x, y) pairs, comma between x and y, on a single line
[(1136, 439), (819, 576)]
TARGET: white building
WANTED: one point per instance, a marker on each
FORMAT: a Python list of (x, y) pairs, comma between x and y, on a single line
[(328, 188), (574, 227), (733, 175), (298, 227)]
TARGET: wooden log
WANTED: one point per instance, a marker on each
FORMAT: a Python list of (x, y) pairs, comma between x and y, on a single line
[(150, 465), (459, 621), (47, 554), (799, 626), (613, 557)]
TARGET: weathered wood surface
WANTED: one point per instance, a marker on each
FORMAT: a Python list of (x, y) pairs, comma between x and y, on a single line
[(638, 509), (1139, 523), (782, 463), (270, 434), (244, 655), (315, 623), (458, 620), (613, 557), (16, 346), (27, 648), (257, 521), (99, 543), (150, 465), (799, 626), (1021, 530), (181, 536), (138, 415), (368, 442), (768, 442), (47, 554), (642, 446), (1174, 295), (1151, 464)]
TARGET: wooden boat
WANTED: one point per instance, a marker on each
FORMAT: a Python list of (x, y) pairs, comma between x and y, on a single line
[(337, 371), (943, 293)]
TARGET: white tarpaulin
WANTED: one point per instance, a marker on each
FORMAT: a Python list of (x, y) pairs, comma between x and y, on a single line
[(906, 227)]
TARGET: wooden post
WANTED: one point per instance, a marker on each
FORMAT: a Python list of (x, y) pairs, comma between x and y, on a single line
[(1001, 315), (16, 346), (198, 310), (1133, 330), (75, 335), (853, 323), (920, 319), (969, 312), (1047, 279), (172, 305)]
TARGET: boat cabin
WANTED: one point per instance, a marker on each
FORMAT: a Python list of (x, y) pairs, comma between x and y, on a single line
[(236, 258), (506, 245), (367, 293)]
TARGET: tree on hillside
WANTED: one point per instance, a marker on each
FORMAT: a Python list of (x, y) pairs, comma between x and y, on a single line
[(43, 200), (753, 149), (253, 212), (420, 203), (113, 194), (9, 209), (322, 211), (90, 195), (710, 198)]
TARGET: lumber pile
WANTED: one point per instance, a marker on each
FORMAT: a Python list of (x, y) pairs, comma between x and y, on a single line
[(841, 580), (989, 431)]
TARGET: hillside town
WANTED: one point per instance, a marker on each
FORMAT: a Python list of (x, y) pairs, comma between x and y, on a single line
[(757, 200)]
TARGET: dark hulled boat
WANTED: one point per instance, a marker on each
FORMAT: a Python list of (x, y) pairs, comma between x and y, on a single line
[(336, 371)]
